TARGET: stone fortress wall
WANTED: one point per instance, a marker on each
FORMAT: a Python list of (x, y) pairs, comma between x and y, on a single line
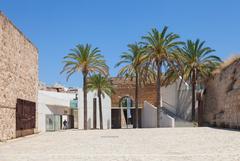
[(222, 97), (18, 74)]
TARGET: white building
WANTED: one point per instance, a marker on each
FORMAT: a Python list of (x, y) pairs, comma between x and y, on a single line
[(106, 110), (54, 107)]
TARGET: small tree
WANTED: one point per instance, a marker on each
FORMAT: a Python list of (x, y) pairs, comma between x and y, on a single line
[(102, 86)]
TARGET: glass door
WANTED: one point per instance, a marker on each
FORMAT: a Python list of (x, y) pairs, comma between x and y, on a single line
[(49, 122), (57, 122)]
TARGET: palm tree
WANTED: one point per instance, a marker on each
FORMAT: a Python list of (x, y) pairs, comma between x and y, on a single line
[(199, 64), (175, 71), (84, 59), (159, 47), (103, 86), (134, 61)]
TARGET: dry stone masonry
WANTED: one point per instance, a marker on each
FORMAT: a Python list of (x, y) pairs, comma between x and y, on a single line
[(18, 74), (222, 97)]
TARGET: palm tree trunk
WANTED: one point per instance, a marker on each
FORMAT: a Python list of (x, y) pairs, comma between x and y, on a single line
[(100, 109), (136, 101), (158, 92), (193, 94), (94, 113), (85, 99)]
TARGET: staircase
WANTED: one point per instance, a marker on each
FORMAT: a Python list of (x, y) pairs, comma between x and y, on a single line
[(179, 122)]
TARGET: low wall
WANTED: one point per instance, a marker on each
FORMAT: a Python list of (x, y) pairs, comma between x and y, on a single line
[(166, 120), (149, 117)]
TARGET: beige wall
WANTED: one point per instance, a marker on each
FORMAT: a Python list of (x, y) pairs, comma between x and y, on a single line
[(18, 74), (222, 98)]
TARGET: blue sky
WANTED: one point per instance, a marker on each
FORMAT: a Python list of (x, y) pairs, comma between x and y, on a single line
[(55, 26)]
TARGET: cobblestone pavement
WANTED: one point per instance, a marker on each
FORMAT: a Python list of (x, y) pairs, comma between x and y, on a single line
[(165, 144)]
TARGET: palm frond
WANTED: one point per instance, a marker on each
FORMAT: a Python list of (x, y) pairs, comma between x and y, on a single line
[(101, 84), (85, 59)]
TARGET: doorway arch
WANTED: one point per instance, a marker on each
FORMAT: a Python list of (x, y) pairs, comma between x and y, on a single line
[(126, 101)]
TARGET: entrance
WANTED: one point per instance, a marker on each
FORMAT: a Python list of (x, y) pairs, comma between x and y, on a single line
[(124, 115), (126, 104), (25, 117), (55, 122)]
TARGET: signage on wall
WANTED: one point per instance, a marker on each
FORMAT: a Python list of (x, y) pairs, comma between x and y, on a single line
[(74, 104)]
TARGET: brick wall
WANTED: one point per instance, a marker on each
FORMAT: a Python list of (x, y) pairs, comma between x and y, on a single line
[(18, 74), (222, 98), (127, 88)]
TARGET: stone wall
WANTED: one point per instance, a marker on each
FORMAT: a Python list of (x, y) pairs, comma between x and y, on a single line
[(222, 98), (18, 74)]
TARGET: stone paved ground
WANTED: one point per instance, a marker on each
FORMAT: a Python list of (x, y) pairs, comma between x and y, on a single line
[(177, 144)]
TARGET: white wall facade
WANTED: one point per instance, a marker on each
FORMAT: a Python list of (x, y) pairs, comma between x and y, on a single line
[(166, 120), (170, 97), (106, 110), (184, 102), (178, 100), (149, 117), (46, 98), (55, 98)]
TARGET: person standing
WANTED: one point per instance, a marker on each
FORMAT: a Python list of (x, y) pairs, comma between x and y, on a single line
[(65, 124)]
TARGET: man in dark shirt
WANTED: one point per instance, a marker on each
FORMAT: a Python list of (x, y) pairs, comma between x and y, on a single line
[(65, 124)]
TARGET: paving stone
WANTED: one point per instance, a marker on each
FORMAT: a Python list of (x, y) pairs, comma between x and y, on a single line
[(165, 144)]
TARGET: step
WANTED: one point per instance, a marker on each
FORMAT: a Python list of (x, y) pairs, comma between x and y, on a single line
[(183, 124)]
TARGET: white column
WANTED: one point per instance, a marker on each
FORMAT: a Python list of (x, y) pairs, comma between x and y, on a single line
[(80, 109)]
